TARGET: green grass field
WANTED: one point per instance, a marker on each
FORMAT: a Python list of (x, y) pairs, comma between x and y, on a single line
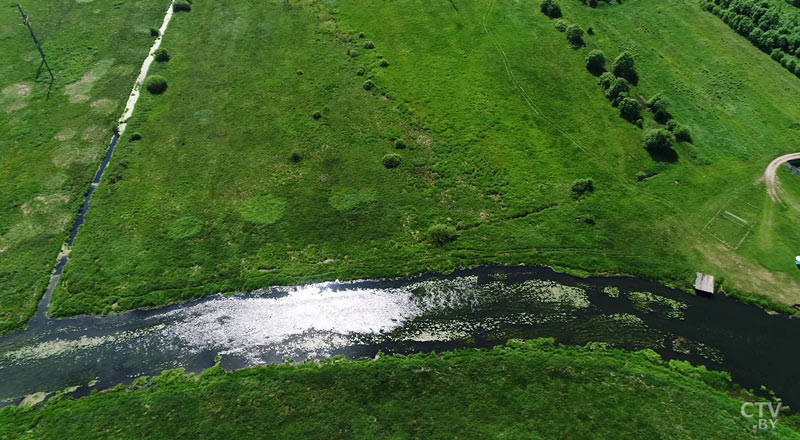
[(534, 390), (52, 136), (497, 125)]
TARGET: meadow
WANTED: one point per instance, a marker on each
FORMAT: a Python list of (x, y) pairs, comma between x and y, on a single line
[(263, 161), (53, 133), (526, 390)]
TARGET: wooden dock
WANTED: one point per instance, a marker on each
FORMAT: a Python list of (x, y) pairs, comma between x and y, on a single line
[(704, 283)]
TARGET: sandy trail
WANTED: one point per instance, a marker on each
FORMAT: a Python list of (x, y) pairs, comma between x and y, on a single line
[(769, 174)]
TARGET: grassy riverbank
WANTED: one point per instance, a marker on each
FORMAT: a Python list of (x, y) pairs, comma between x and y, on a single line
[(52, 136), (534, 390), (262, 162)]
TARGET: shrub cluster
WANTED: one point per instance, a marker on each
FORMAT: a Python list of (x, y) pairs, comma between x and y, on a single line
[(551, 9), (182, 6), (392, 160), (575, 35), (581, 187), (765, 25), (657, 140), (596, 62), (161, 55), (442, 234), (624, 67), (155, 84)]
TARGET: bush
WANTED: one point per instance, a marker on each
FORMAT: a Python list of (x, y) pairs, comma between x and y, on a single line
[(316, 115), (630, 109), (369, 45), (161, 55), (369, 85), (618, 90), (624, 67), (440, 234), (551, 9), (400, 144), (596, 62), (352, 53), (658, 104), (181, 6), (575, 35), (155, 84), (154, 32), (384, 63), (605, 80), (581, 187), (392, 160), (295, 157), (657, 139), (682, 133), (562, 25), (135, 137)]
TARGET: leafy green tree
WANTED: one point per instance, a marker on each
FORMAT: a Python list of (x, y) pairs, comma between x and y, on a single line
[(551, 9), (596, 62), (575, 35), (630, 109), (658, 104), (618, 90), (624, 67), (657, 139), (605, 80)]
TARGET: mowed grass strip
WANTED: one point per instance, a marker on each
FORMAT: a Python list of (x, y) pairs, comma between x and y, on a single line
[(52, 136)]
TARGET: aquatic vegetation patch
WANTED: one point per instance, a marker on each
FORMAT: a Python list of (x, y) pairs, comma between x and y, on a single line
[(649, 302)]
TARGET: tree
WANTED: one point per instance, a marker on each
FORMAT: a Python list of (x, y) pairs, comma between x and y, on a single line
[(551, 9), (658, 105), (605, 80), (657, 139), (596, 62), (618, 90), (630, 109), (624, 67), (575, 35)]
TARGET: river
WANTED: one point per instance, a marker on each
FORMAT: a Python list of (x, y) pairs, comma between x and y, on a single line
[(474, 308)]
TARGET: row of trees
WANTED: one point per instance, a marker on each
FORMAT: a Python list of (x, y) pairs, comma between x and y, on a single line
[(618, 86), (774, 31)]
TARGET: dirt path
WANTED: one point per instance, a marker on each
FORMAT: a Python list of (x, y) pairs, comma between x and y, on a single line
[(769, 175)]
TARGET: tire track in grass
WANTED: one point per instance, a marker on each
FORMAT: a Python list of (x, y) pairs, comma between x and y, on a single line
[(529, 101)]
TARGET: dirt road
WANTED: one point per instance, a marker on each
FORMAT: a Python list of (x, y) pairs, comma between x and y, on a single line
[(769, 174)]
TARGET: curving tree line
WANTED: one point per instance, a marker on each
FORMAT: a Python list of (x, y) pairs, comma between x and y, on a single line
[(773, 31)]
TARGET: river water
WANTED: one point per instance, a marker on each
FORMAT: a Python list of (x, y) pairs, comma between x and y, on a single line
[(476, 308)]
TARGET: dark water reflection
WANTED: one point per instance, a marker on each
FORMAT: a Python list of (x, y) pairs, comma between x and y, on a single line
[(476, 308)]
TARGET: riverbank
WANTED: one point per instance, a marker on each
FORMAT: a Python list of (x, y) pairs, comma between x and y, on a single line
[(477, 308), (528, 389)]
